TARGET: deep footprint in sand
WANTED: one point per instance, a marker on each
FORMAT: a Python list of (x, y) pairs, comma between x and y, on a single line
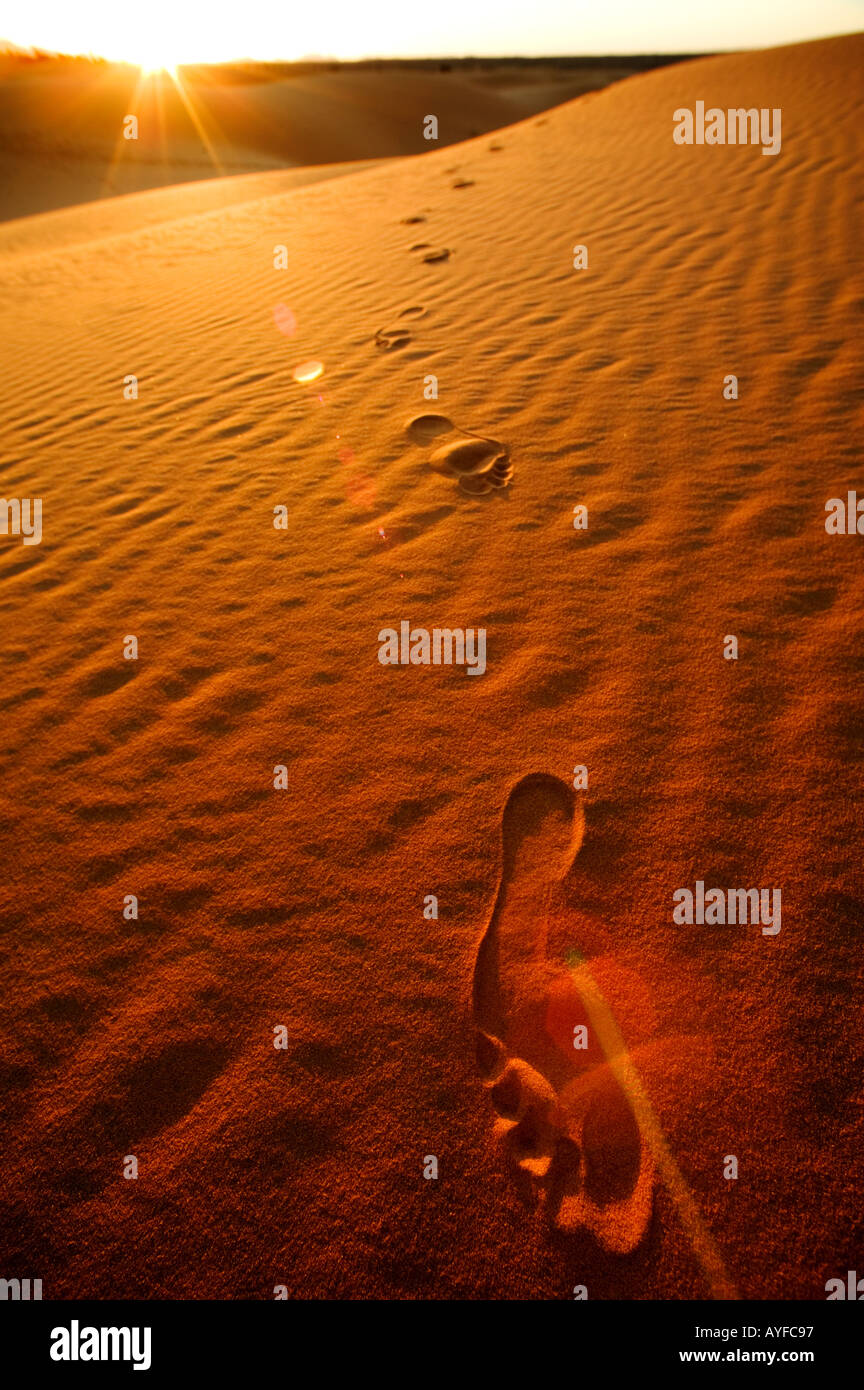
[(479, 464), (389, 339), (433, 253), (567, 1117), (462, 183)]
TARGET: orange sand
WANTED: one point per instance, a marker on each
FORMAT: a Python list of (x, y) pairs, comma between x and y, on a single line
[(62, 120), (258, 647)]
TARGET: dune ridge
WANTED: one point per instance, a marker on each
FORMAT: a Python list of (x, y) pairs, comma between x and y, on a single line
[(62, 119)]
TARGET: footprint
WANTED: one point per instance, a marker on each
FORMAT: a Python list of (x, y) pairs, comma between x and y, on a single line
[(495, 147), (433, 253), (389, 339), (479, 464), (410, 221), (567, 1117), (424, 428), (462, 183)]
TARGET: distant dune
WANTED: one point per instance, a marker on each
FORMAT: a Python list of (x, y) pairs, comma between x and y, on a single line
[(61, 119), (288, 482)]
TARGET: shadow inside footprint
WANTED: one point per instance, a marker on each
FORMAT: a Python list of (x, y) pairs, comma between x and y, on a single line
[(424, 428), (388, 339), (479, 464), (610, 1141)]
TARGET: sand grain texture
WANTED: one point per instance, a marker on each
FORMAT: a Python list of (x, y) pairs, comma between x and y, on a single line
[(259, 647)]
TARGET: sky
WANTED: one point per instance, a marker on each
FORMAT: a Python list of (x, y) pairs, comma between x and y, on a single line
[(166, 32)]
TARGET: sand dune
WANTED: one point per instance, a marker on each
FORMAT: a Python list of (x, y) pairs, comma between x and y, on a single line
[(303, 908), (133, 212), (62, 120), (63, 144)]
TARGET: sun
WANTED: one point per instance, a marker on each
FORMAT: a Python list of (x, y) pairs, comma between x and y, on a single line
[(154, 67), (154, 53)]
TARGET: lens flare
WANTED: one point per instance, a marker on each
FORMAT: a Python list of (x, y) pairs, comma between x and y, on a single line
[(308, 371), (361, 491), (285, 320)]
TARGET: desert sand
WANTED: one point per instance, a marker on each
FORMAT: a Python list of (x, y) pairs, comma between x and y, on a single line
[(62, 140), (302, 908)]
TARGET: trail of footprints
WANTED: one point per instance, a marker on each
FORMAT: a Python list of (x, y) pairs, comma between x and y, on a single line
[(478, 464), (566, 1119)]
